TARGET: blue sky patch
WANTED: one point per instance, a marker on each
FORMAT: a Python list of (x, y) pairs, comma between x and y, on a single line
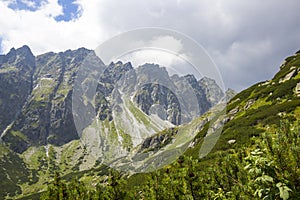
[(70, 9), (31, 5)]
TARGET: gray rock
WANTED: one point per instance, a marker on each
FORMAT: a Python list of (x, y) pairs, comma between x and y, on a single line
[(249, 103), (288, 76), (233, 111), (231, 141), (36, 95), (212, 90), (43, 112), (155, 94)]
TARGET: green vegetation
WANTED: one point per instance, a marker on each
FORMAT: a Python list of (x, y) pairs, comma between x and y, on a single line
[(13, 172), (5, 68), (127, 140), (262, 105), (19, 134), (268, 169), (140, 116), (112, 188)]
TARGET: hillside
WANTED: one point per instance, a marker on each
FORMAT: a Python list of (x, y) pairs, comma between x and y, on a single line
[(262, 106), (257, 155), (50, 122), (39, 138), (256, 109)]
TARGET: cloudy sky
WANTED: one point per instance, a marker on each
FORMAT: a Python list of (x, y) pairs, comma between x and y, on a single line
[(247, 40)]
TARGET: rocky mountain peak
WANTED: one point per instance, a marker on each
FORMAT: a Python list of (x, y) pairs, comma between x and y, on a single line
[(212, 90), (230, 93), (44, 111), (22, 54), (23, 51), (118, 68), (153, 70), (112, 73), (190, 78), (11, 53), (81, 52), (207, 81)]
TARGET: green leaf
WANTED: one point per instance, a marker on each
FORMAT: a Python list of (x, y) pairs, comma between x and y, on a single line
[(283, 190), (264, 178)]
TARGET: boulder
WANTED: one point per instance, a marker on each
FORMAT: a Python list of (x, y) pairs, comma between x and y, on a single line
[(288, 76), (249, 103), (231, 141)]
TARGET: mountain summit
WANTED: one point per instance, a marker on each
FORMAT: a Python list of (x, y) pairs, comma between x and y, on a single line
[(138, 118), (36, 95)]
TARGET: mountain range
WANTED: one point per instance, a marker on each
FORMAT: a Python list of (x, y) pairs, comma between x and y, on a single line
[(137, 118)]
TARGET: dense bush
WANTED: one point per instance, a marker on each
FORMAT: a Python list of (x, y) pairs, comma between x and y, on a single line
[(270, 169), (285, 90)]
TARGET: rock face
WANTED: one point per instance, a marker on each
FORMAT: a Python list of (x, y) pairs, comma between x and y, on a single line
[(201, 91), (211, 90), (16, 72), (107, 82), (36, 95), (41, 88), (229, 94), (158, 140), (177, 99), (155, 98)]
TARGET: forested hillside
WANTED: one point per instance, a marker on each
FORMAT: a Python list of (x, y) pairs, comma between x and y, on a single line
[(267, 169)]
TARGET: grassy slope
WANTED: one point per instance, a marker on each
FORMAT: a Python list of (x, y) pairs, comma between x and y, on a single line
[(268, 103), (272, 102)]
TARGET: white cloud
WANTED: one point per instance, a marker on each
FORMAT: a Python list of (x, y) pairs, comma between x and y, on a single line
[(241, 36), (149, 55), (29, 3), (167, 42), (42, 33), (174, 63)]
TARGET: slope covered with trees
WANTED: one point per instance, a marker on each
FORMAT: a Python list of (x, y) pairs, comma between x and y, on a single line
[(268, 169)]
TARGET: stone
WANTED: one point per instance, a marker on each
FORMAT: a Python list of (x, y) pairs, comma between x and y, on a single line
[(288, 76), (249, 103), (265, 83), (234, 111), (231, 141)]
